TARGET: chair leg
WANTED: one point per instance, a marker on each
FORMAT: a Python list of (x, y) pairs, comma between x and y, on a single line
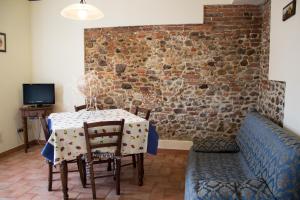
[(109, 165), (80, 169), (142, 164), (92, 177), (140, 168), (134, 160), (114, 169), (118, 174), (50, 176), (84, 172)]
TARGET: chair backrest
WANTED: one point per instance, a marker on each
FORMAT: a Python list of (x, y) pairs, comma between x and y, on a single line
[(45, 127), (78, 108), (110, 130), (144, 111), (273, 154), (82, 107)]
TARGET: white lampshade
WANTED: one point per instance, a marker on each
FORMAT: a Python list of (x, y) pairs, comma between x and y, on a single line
[(82, 11)]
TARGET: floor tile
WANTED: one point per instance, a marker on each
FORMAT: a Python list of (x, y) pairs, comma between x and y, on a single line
[(24, 177)]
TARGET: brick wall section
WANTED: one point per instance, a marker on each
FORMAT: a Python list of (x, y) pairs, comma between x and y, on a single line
[(271, 93), (197, 79)]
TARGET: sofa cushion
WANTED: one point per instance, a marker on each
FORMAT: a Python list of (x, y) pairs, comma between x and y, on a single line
[(225, 167), (216, 190), (273, 154), (253, 189), (250, 189), (215, 144)]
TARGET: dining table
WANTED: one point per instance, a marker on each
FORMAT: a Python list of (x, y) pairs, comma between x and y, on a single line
[(67, 140)]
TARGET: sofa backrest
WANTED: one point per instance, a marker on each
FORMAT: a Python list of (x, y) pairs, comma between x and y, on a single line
[(272, 154)]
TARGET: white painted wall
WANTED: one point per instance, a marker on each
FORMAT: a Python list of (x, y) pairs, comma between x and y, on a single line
[(57, 51), (285, 60), (15, 68), (58, 46)]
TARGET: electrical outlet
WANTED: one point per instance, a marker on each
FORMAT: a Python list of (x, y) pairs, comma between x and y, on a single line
[(20, 130)]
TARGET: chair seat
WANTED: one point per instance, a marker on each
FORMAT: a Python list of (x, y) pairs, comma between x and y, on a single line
[(103, 155)]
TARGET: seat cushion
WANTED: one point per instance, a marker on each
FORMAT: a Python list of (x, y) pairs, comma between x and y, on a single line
[(223, 167), (250, 189), (208, 190), (253, 189), (218, 144)]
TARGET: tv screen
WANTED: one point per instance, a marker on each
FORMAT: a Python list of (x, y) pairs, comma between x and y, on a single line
[(38, 94)]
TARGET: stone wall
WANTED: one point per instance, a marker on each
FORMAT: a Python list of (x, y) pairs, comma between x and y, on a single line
[(271, 93), (197, 79)]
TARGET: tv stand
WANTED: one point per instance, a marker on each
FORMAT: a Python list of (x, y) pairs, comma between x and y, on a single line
[(38, 106), (32, 112)]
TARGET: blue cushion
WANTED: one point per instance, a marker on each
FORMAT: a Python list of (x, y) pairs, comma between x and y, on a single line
[(217, 144), (253, 189), (216, 190), (250, 189), (273, 154), (222, 167)]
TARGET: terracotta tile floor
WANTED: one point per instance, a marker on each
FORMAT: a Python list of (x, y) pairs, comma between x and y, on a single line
[(24, 176)]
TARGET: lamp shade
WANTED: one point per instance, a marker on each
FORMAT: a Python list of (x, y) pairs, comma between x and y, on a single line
[(82, 11)]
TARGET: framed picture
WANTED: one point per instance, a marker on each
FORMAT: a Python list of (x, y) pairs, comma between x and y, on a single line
[(289, 10), (2, 42)]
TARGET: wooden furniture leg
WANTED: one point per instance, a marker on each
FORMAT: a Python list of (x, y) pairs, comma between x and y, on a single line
[(50, 176), (140, 169), (133, 160), (142, 163), (84, 172), (118, 174), (109, 165), (92, 180), (25, 133), (64, 178), (81, 166)]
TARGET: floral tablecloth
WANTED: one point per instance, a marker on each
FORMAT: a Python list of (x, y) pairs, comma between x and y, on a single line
[(68, 137)]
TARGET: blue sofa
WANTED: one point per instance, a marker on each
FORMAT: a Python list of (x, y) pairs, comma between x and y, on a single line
[(267, 166)]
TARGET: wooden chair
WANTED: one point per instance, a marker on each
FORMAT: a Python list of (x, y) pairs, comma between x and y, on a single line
[(100, 107), (80, 162), (144, 111), (78, 108), (92, 146)]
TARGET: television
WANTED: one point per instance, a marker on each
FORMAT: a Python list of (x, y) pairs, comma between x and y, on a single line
[(38, 94)]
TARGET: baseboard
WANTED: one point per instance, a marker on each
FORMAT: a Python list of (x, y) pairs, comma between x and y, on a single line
[(43, 142), (17, 148), (175, 144)]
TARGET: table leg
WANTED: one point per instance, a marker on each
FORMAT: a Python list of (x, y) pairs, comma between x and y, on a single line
[(64, 178), (140, 158), (142, 163), (25, 133)]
